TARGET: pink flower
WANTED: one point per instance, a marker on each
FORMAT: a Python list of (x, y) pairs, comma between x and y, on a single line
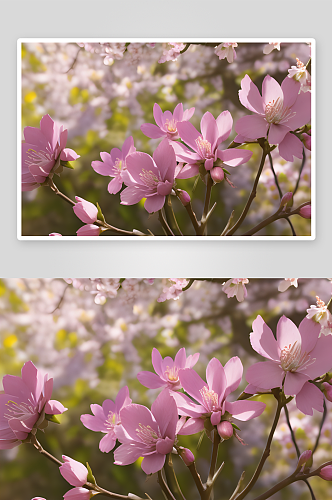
[(106, 419), (236, 286), (212, 396), (226, 50), (55, 234), (40, 151), (171, 51), (73, 472), (319, 312), (24, 403), (148, 434), (278, 111), (88, 230), (85, 210), (205, 144), (77, 494), (300, 74), (113, 164), (167, 370), (286, 283), (326, 473), (271, 46), (295, 358), (304, 457), (174, 291), (150, 178), (167, 122), (305, 212)]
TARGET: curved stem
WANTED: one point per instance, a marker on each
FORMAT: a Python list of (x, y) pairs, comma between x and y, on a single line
[(164, 486), (300, 172), (41, 450), (193, 218), (164, 223), (320, 427), (197, 479), (170, 211), (171, 476), (214, 456), (209, 185)]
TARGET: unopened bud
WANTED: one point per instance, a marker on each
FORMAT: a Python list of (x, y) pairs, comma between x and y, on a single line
[(225, 429), (327, 391), (287, 200), (217, 174), (305, 212), (304, 457), (326, 473), (306, 138), (183, 197), (187, 456)]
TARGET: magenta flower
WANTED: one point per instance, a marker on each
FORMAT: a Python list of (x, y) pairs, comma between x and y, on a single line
[(150, 178), (279, 110), (40, 151), (205, 144), (296, 357), (147, 434), (89, 230), (73, 472), (106, 419), (167, 370), (166, 122), (23, 404), (87, 212), (113, 164), (212, 396)]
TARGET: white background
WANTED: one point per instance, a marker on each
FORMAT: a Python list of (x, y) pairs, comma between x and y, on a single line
[(159, 18)]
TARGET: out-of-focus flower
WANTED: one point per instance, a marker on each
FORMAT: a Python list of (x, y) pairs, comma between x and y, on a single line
[(174, 290), (319, 312), (73, 472), (171, 51), (55, 234), (227, 50), (297, 356), (236, 286), (24, 403), (305, 212), (205, 144), (278, 111), (326, 473), (148, 434), (113, 164), (166, 122), (271, 46), (40, 151), (167, 370), (88, 230), (300, 74), (106, 418), (87, 212), (150, 178), (286, 283), (211, 396)]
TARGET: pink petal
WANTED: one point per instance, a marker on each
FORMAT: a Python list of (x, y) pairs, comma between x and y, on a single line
[(322, 355), (158, 115), (68, 154), (15, 386), (186, 406), (165, 412), (245, 410), (192, 383), (98, 410), (122, 399), (154, 203), (164, 158), (294, 383), (133, 415), (54, 407), (188, 134), (271, 90), (150, 380), (265, 374), (309, 331), (180, 358), (102, 168), (277, 133), (224, 123), (115, 185), (250, 97), (32, 379), (138, 161), (290, 146), (182, 153), (252, 126), (234, 157), (88, 230), (287, 333), (263, 340), (157, 361), (187, 171), (128, 453), (188, 113), (93, 423), (153, 463), (164, 446), (49, 130), (215, 417), (116, 154), (128, 147), (290, 89), (216, 377), (178, 112), (233, 370), (107, 443), (35, 138), (152, 131), (309, 398), (192, 360), (132, 195), (77, 494), (302, 108), (209, 129), (192, 426)]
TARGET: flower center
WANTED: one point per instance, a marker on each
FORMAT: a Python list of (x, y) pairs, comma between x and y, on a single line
[(275, 111), (147, 435), (171, 125), (172, 373), (210, 399), (204, 147), (118, 164), (111, 421), (40, 158), (148, 178), (20, 411), (320, 303), (292, 360)]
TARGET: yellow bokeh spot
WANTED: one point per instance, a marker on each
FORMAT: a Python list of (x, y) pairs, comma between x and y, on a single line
[(30, 96), (289, 445), (10, 341)]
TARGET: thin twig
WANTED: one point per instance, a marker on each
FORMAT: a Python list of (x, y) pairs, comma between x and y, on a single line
[(164, 224), (300, 172), (320, 427)]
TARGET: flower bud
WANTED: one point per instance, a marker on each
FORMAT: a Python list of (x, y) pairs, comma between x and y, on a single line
[(306, 138), (326, 473), (73, 472), (187, 456), (287, 200), (85, 210), (53, 234), (305, 212), (88, 230), (327, 391), (183, 197), (304, 458), (225, 429), (78, 494), (217, 174)]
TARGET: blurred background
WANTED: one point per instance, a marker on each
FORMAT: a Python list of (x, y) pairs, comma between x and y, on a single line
[(103, 98), (94, 336)]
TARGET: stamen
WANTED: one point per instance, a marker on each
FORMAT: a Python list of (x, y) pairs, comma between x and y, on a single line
[(111, 421), (204, 148), (40, 158), (320, 303), (275, 111), (210, 398), (172, 373), (149, 178), (292, 360), (118, 164), (146, 434), (171, 125)]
